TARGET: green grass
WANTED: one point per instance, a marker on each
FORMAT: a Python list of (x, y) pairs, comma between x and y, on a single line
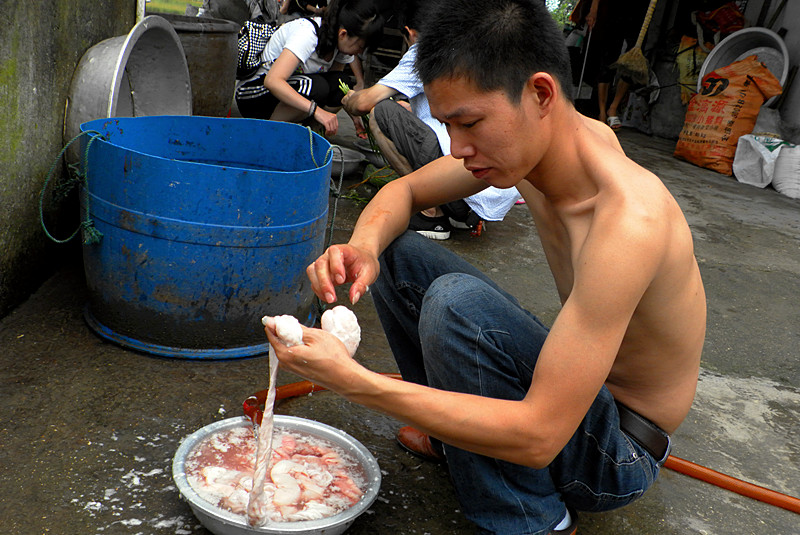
[(171, 6)]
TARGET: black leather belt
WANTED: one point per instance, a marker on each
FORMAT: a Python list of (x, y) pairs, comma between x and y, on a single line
[(647, 434)]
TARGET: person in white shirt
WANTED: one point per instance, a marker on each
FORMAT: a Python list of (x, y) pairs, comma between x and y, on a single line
[(303, 64), (409, 141)]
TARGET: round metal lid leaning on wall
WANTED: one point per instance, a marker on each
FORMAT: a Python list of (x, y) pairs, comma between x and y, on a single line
[(139, 74)]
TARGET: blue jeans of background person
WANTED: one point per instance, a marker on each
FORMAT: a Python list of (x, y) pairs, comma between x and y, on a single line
[(450, 327)]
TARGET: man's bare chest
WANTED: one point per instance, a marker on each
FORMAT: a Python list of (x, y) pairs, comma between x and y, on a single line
[(563, 244)]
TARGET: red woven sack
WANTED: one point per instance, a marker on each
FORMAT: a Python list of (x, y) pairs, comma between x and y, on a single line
[(725, 19)]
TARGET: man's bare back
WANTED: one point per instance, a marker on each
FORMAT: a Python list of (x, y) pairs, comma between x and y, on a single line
[(659, 357)]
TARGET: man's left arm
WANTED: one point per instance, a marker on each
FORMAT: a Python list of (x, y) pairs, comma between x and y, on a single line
[(611, 273)]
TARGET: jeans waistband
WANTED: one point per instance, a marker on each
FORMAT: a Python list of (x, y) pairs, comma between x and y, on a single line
[(647, 434)]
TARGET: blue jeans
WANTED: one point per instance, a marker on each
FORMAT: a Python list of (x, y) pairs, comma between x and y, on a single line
[(450, 327)]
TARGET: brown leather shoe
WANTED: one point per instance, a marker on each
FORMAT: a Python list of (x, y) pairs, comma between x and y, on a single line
[(418, 443)]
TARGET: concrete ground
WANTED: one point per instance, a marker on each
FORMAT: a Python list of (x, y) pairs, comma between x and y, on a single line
[(88, 429)]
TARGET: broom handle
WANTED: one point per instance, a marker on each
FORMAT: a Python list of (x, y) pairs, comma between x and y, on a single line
[(647, 18), (585, 57)]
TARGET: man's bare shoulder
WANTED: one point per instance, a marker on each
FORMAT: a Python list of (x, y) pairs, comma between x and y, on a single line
[(603, 132), (613, 171)]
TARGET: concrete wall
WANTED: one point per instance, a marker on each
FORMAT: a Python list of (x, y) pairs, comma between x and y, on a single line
[(790, 20), (40, 45)]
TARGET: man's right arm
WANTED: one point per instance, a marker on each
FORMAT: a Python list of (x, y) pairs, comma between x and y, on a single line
[(361, 102), (384, 219), (388, 213)]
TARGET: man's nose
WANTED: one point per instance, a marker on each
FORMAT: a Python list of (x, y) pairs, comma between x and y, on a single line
[(460, 148)]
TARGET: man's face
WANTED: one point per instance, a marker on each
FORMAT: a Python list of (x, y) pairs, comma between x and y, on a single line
[(496, 138)]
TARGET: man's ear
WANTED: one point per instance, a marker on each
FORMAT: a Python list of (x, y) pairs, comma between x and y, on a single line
[(545, 89), (342, 33), (413, 35)]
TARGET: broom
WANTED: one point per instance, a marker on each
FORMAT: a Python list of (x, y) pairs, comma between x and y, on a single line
[(632, 64)]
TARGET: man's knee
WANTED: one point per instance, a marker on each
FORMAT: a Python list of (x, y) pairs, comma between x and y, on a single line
[(385, 108), (449, 297), (381, 114), (401, 252), (448, 331)]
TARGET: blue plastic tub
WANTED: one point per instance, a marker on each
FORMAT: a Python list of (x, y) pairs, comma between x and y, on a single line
[(207, 225)]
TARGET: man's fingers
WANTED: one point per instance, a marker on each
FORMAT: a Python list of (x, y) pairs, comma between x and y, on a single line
[(338, 265), (270, 330), (326, 273), (320, 281), (329, 268), (357, 290)]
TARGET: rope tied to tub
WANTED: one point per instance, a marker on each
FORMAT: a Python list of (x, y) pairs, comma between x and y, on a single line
[(336, 191), (90, 233)]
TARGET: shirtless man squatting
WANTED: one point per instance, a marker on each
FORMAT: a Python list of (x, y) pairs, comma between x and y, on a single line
[(535, 423)]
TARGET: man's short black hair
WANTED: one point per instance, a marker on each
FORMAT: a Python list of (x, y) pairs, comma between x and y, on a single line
[(496, 44), (411, 14)]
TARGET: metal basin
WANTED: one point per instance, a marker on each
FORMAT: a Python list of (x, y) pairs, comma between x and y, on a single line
[(349, 159), (761, 42), (222, 522), (139, 74)]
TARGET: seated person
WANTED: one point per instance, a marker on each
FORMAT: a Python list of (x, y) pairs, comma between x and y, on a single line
[(303, 63), (410, 140)]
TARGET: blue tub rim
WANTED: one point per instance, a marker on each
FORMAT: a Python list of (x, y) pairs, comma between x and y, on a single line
[(90, 127)]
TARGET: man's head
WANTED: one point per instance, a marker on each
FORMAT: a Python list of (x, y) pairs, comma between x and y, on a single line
[(410, 19), (411, 14), (495, 44)]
